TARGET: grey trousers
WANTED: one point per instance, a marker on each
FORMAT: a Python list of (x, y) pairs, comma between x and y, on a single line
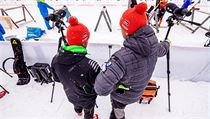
[(117, 110)]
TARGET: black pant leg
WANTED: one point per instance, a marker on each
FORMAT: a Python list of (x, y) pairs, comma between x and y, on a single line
[(78, 109), (89, 113)]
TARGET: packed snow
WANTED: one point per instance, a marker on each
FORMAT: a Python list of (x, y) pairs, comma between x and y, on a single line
[(189, 100), (190, 92)]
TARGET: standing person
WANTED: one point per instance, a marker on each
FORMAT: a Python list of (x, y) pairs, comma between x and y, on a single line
[(129, 70), (43, 8), (68, 14), (161, 11), (75, 71), (2, 32)]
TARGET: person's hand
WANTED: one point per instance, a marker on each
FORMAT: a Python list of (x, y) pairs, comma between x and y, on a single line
[(121, 89), (167, 41)]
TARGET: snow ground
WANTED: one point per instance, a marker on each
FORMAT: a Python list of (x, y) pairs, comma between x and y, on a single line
[(179, 35), (189, 100)]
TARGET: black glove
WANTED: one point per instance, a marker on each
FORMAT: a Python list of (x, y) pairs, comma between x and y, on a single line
[(121, 88), (120, 91)]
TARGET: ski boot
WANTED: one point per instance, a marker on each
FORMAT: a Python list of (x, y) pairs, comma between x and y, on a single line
[(2, 94), (95, 116)]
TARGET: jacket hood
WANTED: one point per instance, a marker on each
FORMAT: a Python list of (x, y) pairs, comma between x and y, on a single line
[(143, 41), (75, 49), (68, 58)]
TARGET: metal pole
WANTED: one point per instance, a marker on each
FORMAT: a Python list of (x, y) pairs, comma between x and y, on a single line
[(170, 24), (98, 21), (52, 95), (4, 89), (110, 47), (6, 72), (24, 13), (29, 13)]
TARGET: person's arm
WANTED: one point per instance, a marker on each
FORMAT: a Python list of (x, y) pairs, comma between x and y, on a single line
[(54, 75), (2, 29), (48, 6), (110, 75), (94, 72), (91, 76), (163, 48)]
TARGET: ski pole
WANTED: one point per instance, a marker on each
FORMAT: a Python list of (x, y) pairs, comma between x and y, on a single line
[(52, 91), (4, 89), (6, 72)]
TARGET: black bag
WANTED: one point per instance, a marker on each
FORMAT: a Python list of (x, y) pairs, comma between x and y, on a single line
[(41, 72), (19, 65)]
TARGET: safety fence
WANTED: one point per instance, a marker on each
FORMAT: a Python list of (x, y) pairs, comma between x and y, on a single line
[(197, 58)]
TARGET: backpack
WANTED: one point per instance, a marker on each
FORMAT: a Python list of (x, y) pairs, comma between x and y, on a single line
[(41, 72)]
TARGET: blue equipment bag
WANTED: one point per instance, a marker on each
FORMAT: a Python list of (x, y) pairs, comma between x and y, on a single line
[(34, 32)]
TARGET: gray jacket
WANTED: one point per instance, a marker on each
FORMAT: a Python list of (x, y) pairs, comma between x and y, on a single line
[(131, 66)]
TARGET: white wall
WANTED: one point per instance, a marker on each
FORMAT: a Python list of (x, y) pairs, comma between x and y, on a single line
[(186, 63)]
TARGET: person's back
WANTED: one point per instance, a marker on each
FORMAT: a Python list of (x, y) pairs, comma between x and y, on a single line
[(43, 8), (75, 71), (129, 70), (138, 58)]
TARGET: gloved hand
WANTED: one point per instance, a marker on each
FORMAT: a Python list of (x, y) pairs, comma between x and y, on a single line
[(121, 89), (167, 40)]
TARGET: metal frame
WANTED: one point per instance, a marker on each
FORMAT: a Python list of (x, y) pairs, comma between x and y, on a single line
[(193, 9), (24, 9), (0, 84), (105, 14), (192, 19), (206, 19)]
